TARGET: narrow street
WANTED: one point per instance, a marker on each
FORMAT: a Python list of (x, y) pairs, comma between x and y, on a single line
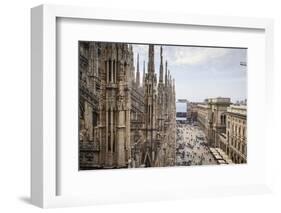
[(191, 146)]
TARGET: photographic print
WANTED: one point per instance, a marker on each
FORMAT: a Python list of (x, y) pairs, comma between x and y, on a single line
[(157, 105)]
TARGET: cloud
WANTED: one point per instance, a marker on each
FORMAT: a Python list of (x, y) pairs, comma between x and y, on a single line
[(201, 72), (141, 49), (197, 55)]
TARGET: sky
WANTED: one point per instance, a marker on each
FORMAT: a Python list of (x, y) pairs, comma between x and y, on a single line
[(201, 72)]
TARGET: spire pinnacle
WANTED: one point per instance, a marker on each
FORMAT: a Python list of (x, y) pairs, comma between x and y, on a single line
[(143, 74), (138, 73), (151, 58), (161, 66), (166, 73)]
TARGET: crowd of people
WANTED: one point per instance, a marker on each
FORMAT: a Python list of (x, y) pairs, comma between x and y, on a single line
[(191, 146)]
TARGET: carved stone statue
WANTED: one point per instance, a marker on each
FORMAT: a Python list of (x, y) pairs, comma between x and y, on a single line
[(83, 135)]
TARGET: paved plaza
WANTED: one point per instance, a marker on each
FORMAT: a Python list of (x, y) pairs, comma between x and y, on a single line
[(191, 147)]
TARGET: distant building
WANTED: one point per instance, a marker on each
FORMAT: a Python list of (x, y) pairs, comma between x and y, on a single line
[(212, 117), (182, 100), (225, 126), (181, 111), (193, 109)]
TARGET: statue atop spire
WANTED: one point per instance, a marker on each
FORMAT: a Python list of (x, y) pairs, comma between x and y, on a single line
[(138, 73), (166, 73), (131, 64), (143, 74), (168, 78), (151, 58), (161, 66)]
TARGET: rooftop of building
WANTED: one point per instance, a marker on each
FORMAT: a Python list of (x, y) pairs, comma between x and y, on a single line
[(202, 105), (237, 109), (219, 100), (182, 100)]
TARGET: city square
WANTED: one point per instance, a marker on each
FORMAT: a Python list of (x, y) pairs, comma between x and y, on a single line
[(191, 147)]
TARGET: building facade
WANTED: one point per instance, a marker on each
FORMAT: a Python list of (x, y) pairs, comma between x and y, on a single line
[(236, 133), (123, 122), (193, 113), (218, 107), (225, 127)]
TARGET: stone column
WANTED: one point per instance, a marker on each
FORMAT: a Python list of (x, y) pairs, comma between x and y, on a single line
[(128, 131), (115, 78), (107, 71), (111, 71), (106, 128), (121, 138), (111, 130)]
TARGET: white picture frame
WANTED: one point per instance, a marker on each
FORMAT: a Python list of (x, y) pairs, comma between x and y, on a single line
[(44, 155)]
